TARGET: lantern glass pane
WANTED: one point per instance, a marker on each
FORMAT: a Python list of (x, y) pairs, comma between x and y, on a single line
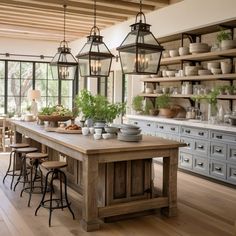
[(84, 66), (54, 70), (66, 72), (147, 38), (128, 61), (100, 66), (131, 38)]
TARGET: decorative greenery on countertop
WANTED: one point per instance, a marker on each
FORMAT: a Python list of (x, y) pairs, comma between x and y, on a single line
[(57, 110), (137, 103), (163, 101), (98, 107)]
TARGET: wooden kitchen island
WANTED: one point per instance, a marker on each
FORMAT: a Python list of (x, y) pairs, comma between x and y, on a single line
[(114, 177)]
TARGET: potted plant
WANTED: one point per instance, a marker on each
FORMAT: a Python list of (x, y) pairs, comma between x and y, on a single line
[(137, 104), (229, 89), (150, 109), (163, 104), (97, 107), (225, 40)]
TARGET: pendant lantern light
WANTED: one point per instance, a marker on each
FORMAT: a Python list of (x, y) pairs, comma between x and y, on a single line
[(95, 58), (140, 52), (64, 64)]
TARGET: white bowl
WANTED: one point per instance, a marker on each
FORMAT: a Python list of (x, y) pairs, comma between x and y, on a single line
[(97, 131), (106, 136), (228, 44), (97, 136), (216, 71), (174, 53), (111, 130), (213, 65), (183, 51), (170, 73)]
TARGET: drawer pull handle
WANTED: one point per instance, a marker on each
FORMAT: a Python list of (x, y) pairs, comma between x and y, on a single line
[(186, 160), (187, 131), (173, 129), (161, 127), (200, 146), (218, 150), (234, 174), (188, 144), (135, 123), (201, 133), (218, 168), (200, 164), (148, 125), (219, 136), (234, 155)]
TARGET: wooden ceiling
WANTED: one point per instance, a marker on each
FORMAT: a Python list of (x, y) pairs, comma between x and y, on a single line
[(43, 19)]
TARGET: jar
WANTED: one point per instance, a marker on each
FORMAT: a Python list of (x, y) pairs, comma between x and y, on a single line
[(226, 117)]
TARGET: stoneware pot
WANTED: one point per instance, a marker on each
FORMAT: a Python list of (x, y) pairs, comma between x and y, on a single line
[(183, 51), (153, 112), (226, 67), (174, 53), (228, 44)]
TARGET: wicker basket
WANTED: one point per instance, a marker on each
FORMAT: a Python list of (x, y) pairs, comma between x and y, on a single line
[(54, 118)]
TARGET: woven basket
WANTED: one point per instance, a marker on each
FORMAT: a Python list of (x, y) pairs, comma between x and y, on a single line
[(54, 118)]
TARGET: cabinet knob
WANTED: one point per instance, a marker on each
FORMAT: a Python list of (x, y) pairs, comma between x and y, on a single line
[(148, 125), (187, 131), (200, 146), (219, 136), (161, 127), (200, 164), (188, 144), (218, 150), (172, 128), (135, 123), (234, 173), (218, 168), (186, 160)]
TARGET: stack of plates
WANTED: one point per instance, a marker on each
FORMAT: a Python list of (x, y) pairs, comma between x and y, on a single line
[(129, 133)]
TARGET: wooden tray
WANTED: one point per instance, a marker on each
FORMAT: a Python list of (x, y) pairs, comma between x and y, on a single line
[(67, 131)]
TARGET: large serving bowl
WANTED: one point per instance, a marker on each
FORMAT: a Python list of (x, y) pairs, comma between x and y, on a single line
[(199, 48), (53, 120)]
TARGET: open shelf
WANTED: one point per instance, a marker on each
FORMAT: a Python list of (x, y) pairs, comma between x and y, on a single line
[(226, 97), (216, 55), (190, 78)]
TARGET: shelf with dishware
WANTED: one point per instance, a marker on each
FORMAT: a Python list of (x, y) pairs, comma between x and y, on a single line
[(230, 76), (207, 56), (227, 97)]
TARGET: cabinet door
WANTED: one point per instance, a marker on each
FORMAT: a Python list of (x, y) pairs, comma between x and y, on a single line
[(231, 173), (217, 169), (148, 127), (224, 137), (186, 160), (189, 142), (201, 147), (194, 132), (200, 164), (231, 153), (218, 150)]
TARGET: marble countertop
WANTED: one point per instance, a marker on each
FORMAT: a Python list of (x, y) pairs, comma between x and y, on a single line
[(191, 123)]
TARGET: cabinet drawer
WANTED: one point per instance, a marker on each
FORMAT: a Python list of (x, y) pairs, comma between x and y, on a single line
[(146, 126), (186, 160), (231, 153), (201, 147), (201, 133), (200, 164), (223, 136), (172, 129), (161, 127), (218, 169), (189, 142), (231, 173), (218, 150)]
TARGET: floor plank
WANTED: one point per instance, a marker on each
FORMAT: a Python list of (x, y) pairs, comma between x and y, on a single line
[(204, 208)]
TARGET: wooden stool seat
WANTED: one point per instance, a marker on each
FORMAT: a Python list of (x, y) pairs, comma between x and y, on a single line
[(36, 155), (54, 164), (19, 145), (27, 150)]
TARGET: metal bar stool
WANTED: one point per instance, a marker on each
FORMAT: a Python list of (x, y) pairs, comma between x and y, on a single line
[(23, 172), (62, 201), (35, 158), (11, 171)]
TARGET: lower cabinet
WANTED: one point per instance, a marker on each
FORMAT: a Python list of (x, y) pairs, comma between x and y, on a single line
[(207, 152)]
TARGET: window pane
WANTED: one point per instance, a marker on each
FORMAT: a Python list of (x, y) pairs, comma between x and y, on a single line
[(26, 70), (1, 105), (24, 104), (67, 102), (52, 101), (26, 84), (2, 69), (66, 88), (41, 70), (13, 105), (2, 89), (42, 86), (14, 69), (52, 88), (43, 102), (13, 87)]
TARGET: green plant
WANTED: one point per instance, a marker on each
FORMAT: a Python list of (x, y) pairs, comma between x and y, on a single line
[(223, 35), (57, 110), (210, 98), (230, 89), (148, 106), (163, 101), (137, 103), (97, 107)]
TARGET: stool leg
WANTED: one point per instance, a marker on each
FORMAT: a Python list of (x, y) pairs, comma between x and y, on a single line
[(67, 202), (61, 194), (44, 193), (31, 185), (13, 170), (20, 175), (50, 207), (9, 167)]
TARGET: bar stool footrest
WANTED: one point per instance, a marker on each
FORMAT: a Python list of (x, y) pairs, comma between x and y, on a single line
[(55, 201)]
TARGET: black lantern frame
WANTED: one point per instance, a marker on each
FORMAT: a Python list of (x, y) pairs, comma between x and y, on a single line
[(64, 64), (95, 58), (140, 52)]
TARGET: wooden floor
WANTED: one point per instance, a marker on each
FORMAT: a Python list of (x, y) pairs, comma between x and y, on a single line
[(204, 208)]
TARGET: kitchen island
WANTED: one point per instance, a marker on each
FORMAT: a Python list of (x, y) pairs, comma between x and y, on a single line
[(116, 176)]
